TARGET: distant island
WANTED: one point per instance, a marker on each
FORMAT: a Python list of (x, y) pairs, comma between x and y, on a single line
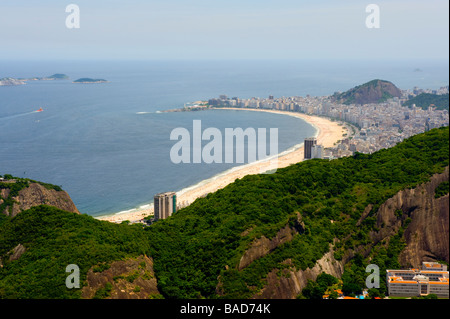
[(58, 76), (21, 81), (11, 82), (89, 80)]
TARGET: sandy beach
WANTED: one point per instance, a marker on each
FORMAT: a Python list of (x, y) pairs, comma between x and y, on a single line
[(328, 133)]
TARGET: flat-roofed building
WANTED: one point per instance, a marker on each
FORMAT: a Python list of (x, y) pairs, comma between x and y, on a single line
[(165, 204), (434, 266), (308, 144), (317, 151), (416, 282)]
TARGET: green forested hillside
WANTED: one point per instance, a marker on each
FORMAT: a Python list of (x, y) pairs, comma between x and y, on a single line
[(205, 239), (424, 100), (202, 244), (54, 239), (375, 91)]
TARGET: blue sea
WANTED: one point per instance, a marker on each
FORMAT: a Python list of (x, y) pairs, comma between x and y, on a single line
[(107, 144)]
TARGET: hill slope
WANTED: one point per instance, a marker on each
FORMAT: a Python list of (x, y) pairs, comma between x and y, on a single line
[(37, 245), (424, 100), (290, 219), (262, 236), (375, 91)]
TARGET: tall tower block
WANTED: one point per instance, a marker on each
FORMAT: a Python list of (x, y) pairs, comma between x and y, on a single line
[(309, 143), (165, 204)]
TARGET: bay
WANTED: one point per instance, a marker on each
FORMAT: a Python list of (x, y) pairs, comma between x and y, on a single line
[(107, 145)]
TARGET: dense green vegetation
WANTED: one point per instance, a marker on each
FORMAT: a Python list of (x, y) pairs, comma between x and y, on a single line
[(207, 239), (316, 289), (196, 251), (384, 256), (21, 183), (442, 189), (55, 239), (424, 100)]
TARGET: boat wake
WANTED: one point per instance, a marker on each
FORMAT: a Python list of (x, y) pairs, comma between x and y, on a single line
[(19, 115)]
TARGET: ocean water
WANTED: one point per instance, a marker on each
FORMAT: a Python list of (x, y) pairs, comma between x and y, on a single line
[(108, 146)]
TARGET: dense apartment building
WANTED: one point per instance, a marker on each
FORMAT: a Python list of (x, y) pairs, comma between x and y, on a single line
[(433, 278), (308, 147), (312, 149), (317, 151), (374, 126), (165, 204)]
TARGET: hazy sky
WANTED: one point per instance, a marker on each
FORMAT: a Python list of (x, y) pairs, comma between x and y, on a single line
[(224, 29)]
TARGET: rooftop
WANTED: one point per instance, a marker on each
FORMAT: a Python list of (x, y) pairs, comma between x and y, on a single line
[(432, 265)]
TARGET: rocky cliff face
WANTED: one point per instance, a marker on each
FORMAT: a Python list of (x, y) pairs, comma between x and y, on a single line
[(427, 235), (290, 283), (34, 195), (127, 279)]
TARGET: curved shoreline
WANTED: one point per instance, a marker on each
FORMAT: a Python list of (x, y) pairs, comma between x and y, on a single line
[(327, 134)]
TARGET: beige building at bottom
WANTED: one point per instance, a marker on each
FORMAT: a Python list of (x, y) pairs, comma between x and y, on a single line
[(433, 278)]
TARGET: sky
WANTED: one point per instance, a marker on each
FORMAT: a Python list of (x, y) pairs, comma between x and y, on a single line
[(224, 29)]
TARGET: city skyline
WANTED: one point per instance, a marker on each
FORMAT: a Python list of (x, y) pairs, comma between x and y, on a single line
[(370, 127)]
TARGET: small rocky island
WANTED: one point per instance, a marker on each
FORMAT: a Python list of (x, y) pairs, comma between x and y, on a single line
[(58, 76), (11, 82), (21, 81), (89, 80)]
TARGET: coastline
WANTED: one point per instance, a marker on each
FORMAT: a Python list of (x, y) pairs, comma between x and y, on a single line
[(327, 134)]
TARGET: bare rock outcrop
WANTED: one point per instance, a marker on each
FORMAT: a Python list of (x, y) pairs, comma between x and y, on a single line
[(291, 282), (263, 246), (127, 279), (375, 91), (14, 254), (35, 195), (427, 235), (17, 252)]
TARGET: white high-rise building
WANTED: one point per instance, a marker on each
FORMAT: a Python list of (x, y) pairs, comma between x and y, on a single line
[(317, 151)]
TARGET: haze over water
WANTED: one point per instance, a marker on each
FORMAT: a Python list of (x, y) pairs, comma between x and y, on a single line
[(109, 149)]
